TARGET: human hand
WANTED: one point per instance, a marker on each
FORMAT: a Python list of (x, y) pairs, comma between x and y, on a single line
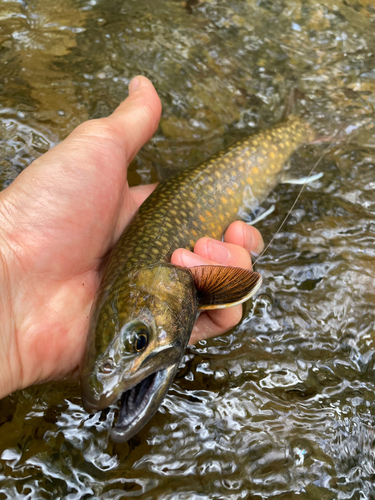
[(59, 220)]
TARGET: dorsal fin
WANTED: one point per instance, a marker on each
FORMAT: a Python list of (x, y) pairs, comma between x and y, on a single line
[(219, 287)]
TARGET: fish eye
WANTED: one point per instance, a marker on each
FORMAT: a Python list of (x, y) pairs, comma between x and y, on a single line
[(135, 336), (140, 340)]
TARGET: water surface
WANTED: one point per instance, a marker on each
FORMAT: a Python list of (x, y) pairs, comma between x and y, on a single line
[(283, 406)]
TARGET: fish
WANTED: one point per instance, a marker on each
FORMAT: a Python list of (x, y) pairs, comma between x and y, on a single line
[(145, 308)]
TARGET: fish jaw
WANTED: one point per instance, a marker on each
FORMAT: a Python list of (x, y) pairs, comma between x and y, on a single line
[(139, 404), (99, 391), (160, 299)]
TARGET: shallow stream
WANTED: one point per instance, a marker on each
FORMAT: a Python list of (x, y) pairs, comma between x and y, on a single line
[(283, 406)]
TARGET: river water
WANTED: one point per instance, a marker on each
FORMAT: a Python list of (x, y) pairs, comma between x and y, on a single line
[(283, 406)]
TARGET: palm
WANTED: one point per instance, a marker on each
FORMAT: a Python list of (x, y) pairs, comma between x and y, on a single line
[(58, 222), (66, 229)]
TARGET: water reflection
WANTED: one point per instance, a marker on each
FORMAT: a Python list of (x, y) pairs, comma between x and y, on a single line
[(284, 404)]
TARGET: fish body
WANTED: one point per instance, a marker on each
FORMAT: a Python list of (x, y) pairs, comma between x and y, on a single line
[(146, 308)]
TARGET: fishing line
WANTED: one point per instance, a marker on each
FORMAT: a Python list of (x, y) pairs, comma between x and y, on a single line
[(301, 190)]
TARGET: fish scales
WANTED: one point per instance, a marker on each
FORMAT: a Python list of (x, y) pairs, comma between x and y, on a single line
[(204, 200), (140, 292)]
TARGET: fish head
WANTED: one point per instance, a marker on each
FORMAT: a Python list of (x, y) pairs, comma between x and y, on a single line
[(138, 334), (139, 330)]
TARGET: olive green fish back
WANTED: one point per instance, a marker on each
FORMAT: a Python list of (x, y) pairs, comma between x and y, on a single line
[(204, 200)]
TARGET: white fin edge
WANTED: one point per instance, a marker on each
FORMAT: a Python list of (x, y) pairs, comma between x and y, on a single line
[(244, 299), (261, 216), (303, 180)]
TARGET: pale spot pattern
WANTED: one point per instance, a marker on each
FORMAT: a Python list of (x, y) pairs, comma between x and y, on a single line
[(201, 201)]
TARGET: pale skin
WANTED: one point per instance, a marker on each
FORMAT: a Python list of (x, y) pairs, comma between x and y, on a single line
[(59, 220)]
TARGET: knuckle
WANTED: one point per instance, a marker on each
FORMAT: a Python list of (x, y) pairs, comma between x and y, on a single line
[(100, 127), (149, 112)]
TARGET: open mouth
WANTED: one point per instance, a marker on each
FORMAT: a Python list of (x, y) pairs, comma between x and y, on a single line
[(135, 400), (140, 403)]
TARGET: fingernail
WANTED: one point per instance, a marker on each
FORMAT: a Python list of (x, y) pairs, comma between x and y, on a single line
[(133, 85), (248, 238), (258, 250), (218, 251), (189, 259)]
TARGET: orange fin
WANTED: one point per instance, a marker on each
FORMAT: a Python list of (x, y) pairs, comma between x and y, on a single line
[(219, 287)]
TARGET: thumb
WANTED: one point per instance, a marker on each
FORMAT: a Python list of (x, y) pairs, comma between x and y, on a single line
[(138, 116), (90, 164), (127, 129)]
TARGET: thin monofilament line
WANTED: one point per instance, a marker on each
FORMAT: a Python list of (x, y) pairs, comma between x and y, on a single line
[(299, 194)]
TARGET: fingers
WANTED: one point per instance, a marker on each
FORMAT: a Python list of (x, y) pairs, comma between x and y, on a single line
[(140, 193), (90, 164), (214, 323), (212, 252), (246, 236), (240, 241), (110, 142), (129, 127), (138, 116), (208, 251)]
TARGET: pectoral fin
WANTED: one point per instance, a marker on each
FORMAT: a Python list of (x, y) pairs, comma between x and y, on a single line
[(219, 287)]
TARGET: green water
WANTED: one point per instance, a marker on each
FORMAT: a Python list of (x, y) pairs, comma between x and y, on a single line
[(283, 407)]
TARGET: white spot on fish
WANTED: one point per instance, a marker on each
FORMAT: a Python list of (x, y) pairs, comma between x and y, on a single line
[(162, 334)]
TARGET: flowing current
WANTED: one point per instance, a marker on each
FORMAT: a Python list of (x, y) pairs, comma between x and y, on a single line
[(283, 406)]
